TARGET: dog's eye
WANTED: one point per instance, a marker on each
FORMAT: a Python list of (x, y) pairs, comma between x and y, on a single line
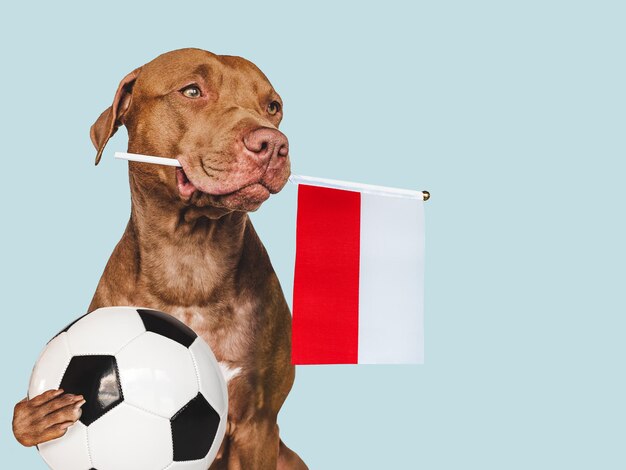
[(273, 107), (191, 91)]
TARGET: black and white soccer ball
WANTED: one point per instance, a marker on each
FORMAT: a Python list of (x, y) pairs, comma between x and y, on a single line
[(155, 396)]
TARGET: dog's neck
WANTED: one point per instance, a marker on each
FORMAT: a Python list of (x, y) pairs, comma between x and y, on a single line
[(186, 254)]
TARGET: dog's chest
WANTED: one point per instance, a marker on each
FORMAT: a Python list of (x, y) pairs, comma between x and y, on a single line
[(187, 274), (227, 328)]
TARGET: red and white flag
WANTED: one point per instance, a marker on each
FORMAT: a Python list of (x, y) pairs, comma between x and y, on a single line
[(358, 287)]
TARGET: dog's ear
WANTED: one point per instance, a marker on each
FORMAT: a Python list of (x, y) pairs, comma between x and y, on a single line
[(113, 117)]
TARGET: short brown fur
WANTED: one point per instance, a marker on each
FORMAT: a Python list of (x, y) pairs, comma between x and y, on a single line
[(198, 257)]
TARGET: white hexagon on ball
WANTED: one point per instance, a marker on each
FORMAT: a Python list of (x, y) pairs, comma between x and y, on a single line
[(157, 374), (50, 366), (73, 443), (208, 370), (96, 333), (144, 441)]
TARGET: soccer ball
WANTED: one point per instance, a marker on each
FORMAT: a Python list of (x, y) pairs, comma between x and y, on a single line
[(155, 396)]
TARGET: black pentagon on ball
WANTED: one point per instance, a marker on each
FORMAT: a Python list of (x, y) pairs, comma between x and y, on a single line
[(168, 326), (194, 428), (97, 379)]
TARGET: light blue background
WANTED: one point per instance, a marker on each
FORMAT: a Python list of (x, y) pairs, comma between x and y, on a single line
[(511, 113)]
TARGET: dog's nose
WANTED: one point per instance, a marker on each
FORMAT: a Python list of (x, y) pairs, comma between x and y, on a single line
[(267, 143)]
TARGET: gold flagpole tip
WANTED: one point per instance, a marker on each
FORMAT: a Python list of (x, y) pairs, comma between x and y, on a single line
[(426, 195)]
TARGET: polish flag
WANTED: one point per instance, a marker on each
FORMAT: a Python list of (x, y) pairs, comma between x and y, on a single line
[(358, 287)]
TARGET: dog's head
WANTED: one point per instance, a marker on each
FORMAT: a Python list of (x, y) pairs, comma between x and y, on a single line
[(218, 115)]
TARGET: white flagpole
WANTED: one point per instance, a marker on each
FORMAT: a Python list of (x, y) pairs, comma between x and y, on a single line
[(135, 157), (298, 179)]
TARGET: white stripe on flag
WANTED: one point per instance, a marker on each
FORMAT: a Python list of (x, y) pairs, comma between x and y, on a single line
[(391, 284)]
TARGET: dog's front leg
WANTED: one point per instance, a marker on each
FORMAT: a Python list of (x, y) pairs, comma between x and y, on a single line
[(252, 445)]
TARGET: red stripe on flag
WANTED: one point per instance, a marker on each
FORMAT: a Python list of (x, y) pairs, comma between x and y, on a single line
[(326, 283)]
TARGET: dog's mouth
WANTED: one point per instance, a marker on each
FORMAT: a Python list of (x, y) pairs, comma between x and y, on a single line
[(248, 197), (185, 187)]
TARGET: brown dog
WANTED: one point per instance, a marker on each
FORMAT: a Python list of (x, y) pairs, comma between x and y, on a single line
[(190, 249)]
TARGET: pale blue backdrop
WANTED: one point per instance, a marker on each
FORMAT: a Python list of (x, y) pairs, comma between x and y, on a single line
[(511, 113)]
